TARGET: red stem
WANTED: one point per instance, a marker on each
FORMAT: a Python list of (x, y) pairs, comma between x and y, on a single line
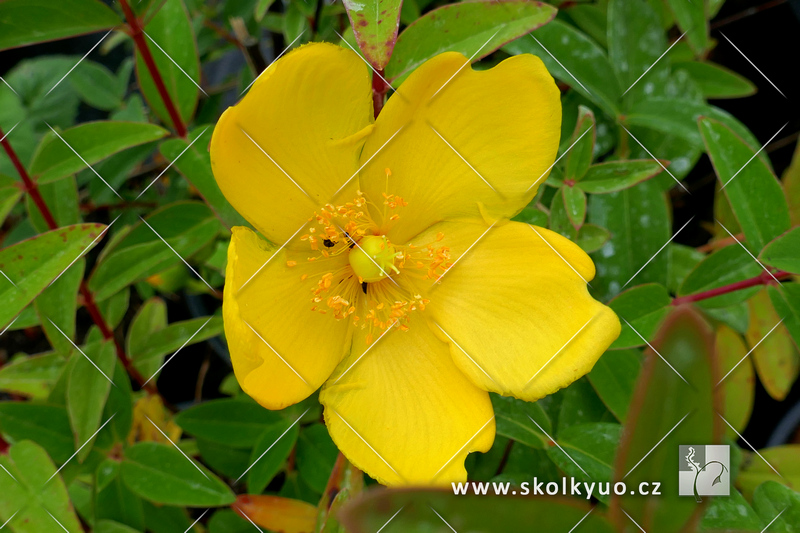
[(762, 279), (379, 89), (138, 39)]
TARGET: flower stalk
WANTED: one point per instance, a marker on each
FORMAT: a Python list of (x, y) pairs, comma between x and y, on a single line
[(764, 278)]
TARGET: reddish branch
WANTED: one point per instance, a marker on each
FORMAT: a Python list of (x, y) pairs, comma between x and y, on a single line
[(379, 89), (137, 33), (762, 279), (88, 298)]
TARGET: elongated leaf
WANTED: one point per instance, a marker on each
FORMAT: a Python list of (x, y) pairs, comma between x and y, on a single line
[(635, 42), (593, 447), (574, 204), (784, 252), (269, 454), (24, 22), (786, 300), (577, 55), (147, 352), (614, 377), (170, 38), (618, 175), (692, 20), (30, 266), (591, 238), (315, 456), (186, 226), (88, 386), (32, 502), (48, 425), (778, 505), (762, 216), (113, 500), (97, 86), (755, 470), (31, 376), (236, 423), (94, 141), (470, 25), (716, 81), (739, 379), (776, 359), (582, 145), (195, 166), (725, 266), (161, 474), (513, 419), (375, 24), (10, 193), (644, 307), (668, 411), (276, 513)]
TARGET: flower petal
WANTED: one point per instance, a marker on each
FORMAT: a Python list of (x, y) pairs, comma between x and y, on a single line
[(516, 310), (293, 350), (300, 126), (505, 122), (401, 411)]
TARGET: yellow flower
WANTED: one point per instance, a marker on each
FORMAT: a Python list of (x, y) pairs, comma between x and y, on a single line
[(397, 282)]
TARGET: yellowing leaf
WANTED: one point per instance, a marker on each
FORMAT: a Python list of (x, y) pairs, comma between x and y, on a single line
[(739, 383), (276, 513)]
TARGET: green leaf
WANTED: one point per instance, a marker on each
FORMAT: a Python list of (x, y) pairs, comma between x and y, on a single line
[(466, 513), (113, 500), (757, 470), (731, 513), (574, 204), (35, 498), (227, 461), (776, 359), (10, 193), (56, 307), (635, 42), (559, 218), (692, 20), (786, 300), (615, 176), (771, 499), (686, 345), (532, 215), (315, 455), (736, 371), (31, 376), (48, 425), (33, 264), (110, 526), (147, 352), (577, 55), (513, 420), (170, 38), (97, 86), (161, 474), (614, 378), (270, 452), (261, 8), (581, 145), (88, 386), (186, 226), (763, 216), (717, 81), (236, 423), (682, 260), (195, 166), (638, 219), (644, 307), (165, 519), (61, 196), (470, 25), (94, 141), (375, 25), (784, 252), (591, 238), (24, 22), (723, 267)]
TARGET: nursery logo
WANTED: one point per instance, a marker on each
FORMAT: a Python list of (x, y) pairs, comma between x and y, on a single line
[(704, 470)]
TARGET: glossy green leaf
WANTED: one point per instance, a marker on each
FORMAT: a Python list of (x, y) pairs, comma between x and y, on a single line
[(638, 220), (725, 266), (31, 376), (165, 519), (94, 141), (88, 386), (47, 425), (593, 447), (61, 197), (784, 252), (186, 226), (615, 176), (10, 193), (581, 145), (195, 165), (641, 310), (757, 470), (470, 25), (227, 461), (466, 513), (30, 266), (687, 379), (24, 22), (315, 455), (579, 405), (375, 24), (270, 452), (730, 513), (236, 423), (147, 351), (513, 420), (110, 526), (635, 42), (682, 260), (97, 86), (532, 215), (614, 378), (786, 300), (56, 307), (560, 221), (32, 502), (763, 216), (738, 378), (577, 55), (691, 18), (113, 500), (777, 505), (574, 204), (161, 474), (170, 39), (591, 237), (717, 81)]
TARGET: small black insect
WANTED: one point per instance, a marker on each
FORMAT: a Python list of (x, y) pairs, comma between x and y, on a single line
[(364, 286), (328, 243)]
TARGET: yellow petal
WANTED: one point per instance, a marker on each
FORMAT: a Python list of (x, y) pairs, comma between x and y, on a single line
[(505, 122), (516, 310), (293, 349), (402, 412), (294, 139)]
